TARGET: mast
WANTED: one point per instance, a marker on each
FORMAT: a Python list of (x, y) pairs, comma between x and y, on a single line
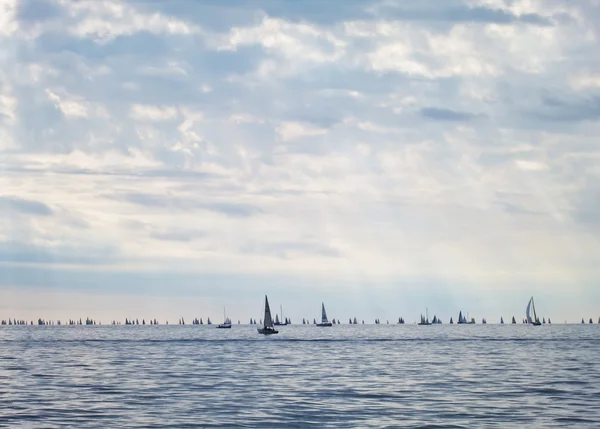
[(534, 313)]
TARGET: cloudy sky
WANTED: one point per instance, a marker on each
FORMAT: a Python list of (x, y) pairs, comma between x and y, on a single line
[(166, 159)]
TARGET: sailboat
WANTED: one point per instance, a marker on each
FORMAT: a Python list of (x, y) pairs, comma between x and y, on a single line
[(535, 321), (226, 322), (425, 320), (267, 328), (324, 321), (283, 321)]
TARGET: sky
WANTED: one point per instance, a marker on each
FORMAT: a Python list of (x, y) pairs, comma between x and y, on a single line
[(169, 159)]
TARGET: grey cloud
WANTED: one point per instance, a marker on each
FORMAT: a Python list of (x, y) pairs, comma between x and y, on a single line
[(586, 204), (178, 235), (31, 11), (232, 209), (517, 210), (440, 114), (166, 202), (20, 205), (557, 109), (282, 249), (219, 15), (145, 200), (463, 13), (72, 219), (19, 252)]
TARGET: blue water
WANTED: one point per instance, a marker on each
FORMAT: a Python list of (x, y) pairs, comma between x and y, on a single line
[(364, 376)]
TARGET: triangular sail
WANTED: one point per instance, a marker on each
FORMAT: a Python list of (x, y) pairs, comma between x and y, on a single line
[(268, 320), (528, 311), (323, 314), (535, 318)]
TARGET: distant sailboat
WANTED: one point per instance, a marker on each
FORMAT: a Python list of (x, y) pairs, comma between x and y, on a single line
[(514, 321), (283, 321), (226, 322), (535, 321), (324, 321), (501, 321), (267, 328), (425, 320)]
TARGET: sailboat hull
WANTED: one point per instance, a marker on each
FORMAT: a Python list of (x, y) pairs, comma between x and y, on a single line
[(224, 326), (267, 331), (323, 325)]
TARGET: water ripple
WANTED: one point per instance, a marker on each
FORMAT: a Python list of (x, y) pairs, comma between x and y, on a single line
[(364, 376)]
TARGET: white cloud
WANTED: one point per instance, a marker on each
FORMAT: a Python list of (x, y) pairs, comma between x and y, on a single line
[(585, 82), (8, 105), (70, 107), (296, 46), (143, 112), (298, 42), (245, 118), (465, 50), (528, 7), (530, 165), (8, 24), (104, 21), (171, 68), (293, 130)]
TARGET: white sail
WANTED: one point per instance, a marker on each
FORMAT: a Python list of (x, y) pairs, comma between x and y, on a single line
[(268, 323), (323, 314), (528, 311)]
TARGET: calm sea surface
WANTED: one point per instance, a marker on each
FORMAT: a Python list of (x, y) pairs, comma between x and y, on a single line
[(364, 376)]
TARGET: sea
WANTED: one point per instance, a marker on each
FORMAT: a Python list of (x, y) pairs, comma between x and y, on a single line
[(345, 376)]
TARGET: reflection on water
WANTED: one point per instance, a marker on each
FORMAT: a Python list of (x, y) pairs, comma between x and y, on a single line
[(362, 376)]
